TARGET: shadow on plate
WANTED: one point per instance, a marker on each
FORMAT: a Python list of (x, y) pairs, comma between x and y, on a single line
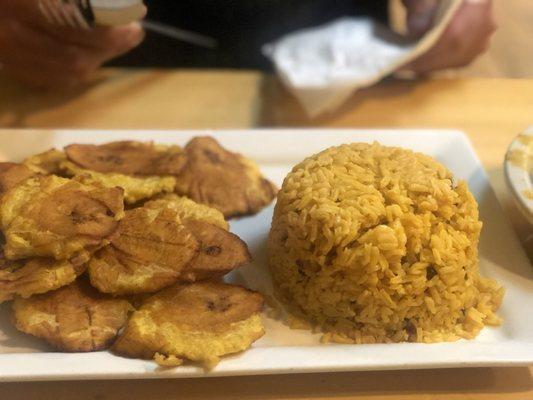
[(523, 229), (498, 243)]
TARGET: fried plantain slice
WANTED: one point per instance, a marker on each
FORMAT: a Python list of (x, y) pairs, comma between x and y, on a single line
[(189, 209), (224, 180), (12, 174), (199, 322), (75, 318), (136, 188), (149, 251), (50, 216), (155, 236), (220, 252), (46, 163), (112, 271), (38, 275), (128, 157)]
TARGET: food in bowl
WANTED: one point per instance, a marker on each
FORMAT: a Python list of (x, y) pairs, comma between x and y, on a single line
[(379, 244)]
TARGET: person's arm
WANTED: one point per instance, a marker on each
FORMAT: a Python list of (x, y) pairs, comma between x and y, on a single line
[(466, 37), (42, 55)]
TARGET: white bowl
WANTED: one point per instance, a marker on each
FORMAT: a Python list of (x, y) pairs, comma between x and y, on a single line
[(519, 172)]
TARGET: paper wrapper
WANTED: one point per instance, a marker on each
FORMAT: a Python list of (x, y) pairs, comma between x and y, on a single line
[(324, 66)]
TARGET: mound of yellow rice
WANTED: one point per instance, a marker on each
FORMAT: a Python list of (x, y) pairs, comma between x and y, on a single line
[(378, 244)]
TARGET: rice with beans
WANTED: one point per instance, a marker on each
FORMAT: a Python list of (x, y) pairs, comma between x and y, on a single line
[(378, 244)]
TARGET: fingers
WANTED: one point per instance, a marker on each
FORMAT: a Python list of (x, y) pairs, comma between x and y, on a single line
[(419, 6), (420, 15), (39, 59), (112, 40), (38, 52), (466, 37), (40, 73), (116, 40)]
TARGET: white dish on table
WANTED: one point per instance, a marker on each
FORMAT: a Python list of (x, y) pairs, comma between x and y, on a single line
[(519, 176), (283, 350)]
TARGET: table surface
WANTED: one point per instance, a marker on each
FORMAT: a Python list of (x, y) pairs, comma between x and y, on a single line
[(491, 112)]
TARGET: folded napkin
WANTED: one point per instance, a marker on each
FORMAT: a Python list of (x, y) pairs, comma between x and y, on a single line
[(323, 66)]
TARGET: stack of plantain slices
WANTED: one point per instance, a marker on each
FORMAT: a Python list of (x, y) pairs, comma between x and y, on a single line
[(124, 245)]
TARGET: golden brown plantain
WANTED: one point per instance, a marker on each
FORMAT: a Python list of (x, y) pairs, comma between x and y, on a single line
[(56, 217), (128, 157), (136, 188), (224, 180), (12, 174), (75, 318), (220, 252), (189, 209), (46, 163), (149, 251), (24, 278), (199, 322)]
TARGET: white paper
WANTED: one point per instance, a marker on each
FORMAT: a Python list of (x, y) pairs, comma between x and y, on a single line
[(323, 66)]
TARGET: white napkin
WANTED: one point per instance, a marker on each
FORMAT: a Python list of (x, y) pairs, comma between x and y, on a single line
[(323, 66)]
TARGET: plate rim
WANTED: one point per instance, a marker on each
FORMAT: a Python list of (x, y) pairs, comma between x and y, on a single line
[(520, 358)]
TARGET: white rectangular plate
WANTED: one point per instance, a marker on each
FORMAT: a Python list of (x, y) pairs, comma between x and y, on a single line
[(283, 350)]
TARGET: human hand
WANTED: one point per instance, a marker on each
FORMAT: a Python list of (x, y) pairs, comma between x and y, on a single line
[(44, 55), (466, 37)]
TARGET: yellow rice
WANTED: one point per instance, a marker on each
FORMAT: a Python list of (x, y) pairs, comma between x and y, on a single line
[(378, 244)]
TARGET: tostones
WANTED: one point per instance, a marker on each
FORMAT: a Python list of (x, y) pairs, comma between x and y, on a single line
[(50, 216), (143, 170), (199, 322), (220, 252), (12, 174), (128, 158), (189, 209), (75, 318), (223, 180), (149, 251), (136, 188), (24, 278), (47, 163)]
